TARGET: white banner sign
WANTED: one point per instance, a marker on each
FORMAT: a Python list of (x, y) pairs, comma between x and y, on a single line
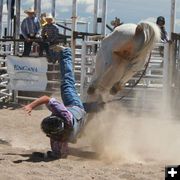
[(27, 73)]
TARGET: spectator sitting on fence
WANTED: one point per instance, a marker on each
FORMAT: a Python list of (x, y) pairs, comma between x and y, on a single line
[(115, 23), (50, 36), (30, 28), (164, 36), (161, 23), (43, 20)]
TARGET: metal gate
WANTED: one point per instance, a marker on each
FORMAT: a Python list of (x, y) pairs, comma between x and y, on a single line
[(154, 78), (5, 49)]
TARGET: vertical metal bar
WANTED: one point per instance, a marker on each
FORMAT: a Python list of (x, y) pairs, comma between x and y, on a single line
[(83, 58), (53, 8), (35, 4), (9, 19), (73, 27), (87, 30), (171, 69), (87, 27), (165, 74), (178, 60), (37, 7), (16, 44), (1, 15), (17, 24), (103, 26), (171, 57), (95, 24), (172, 29), (173, 16), (18, 7), (178, 76)]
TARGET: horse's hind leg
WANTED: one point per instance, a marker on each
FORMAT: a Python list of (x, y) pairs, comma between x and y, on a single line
[(92, 87), (116, 87)]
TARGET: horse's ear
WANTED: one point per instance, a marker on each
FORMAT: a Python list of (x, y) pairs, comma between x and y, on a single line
[(139, 30)]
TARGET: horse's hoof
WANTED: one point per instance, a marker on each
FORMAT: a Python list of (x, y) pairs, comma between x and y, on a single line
[(113, 91), (91, 90)]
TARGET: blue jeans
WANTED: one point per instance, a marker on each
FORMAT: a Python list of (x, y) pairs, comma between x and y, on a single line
[(68, 90)]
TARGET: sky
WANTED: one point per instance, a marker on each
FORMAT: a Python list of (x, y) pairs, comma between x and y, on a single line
[(129, 11)]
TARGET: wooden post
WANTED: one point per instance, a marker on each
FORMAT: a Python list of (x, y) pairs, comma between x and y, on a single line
[(1, 15)]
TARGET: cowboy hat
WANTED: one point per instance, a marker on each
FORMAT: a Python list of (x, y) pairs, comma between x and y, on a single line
[(49, 16), (30, 10)]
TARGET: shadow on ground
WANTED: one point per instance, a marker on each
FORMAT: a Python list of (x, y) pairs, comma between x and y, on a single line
[(40, 157), (4, 142)]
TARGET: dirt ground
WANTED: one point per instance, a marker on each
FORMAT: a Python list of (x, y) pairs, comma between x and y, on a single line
[(135, 147)]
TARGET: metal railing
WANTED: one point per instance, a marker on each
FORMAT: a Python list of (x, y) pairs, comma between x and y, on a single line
[(175, 71), (155, 77)]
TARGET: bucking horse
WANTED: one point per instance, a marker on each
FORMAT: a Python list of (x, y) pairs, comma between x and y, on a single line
[(122, 54)]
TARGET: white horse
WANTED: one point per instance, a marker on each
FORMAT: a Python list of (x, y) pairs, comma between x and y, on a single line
[(121, 55)]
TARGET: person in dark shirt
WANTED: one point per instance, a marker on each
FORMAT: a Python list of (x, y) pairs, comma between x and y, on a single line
[(164, 36), (50, 36), (161, 23), (116, 22), (30, 28)]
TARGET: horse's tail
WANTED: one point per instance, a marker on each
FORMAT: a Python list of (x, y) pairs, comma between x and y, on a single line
[(152, 35)]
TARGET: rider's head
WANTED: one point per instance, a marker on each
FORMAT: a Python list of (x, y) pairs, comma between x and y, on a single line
[(52, 126), (160, 21)]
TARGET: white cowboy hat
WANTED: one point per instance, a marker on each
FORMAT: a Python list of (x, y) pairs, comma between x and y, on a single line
[(49, 16), (30, 10)]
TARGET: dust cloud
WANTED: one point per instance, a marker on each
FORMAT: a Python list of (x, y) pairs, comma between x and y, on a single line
[(136, 132)]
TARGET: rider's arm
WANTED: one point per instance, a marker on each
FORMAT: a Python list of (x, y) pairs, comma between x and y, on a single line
[(36, 103)]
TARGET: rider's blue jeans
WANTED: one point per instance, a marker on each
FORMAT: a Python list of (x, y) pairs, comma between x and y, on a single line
[(68, 90), (69, 94)]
